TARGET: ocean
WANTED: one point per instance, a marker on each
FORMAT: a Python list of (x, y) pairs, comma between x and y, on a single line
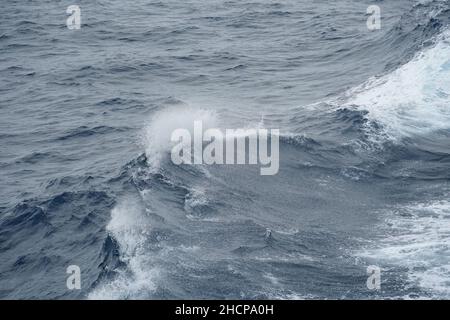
[(87, 178)]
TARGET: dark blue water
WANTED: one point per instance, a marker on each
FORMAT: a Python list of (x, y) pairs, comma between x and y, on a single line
[(86, 177)]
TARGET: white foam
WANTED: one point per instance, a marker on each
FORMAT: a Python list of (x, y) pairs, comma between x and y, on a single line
[(415, 98), (130, 229), (419, 240), (157, 132), (195, 198)]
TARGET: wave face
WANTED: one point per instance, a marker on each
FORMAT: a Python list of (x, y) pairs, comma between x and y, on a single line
[(87, 178), (414, 99)]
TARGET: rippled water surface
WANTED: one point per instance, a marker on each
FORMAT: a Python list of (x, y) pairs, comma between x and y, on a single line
[(364, 149)]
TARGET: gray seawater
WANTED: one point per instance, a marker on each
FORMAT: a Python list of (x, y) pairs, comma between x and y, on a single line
[(364, 152)]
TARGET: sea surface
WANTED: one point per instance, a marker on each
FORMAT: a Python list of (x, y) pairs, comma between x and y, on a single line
[(86, 177)]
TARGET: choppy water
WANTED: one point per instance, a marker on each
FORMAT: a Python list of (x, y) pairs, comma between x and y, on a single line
[(86, 179)]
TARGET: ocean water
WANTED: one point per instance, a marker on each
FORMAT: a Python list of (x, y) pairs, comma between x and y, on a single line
[(87, 180)]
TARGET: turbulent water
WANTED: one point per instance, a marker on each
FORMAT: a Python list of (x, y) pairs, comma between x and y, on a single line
[(86, 177)]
